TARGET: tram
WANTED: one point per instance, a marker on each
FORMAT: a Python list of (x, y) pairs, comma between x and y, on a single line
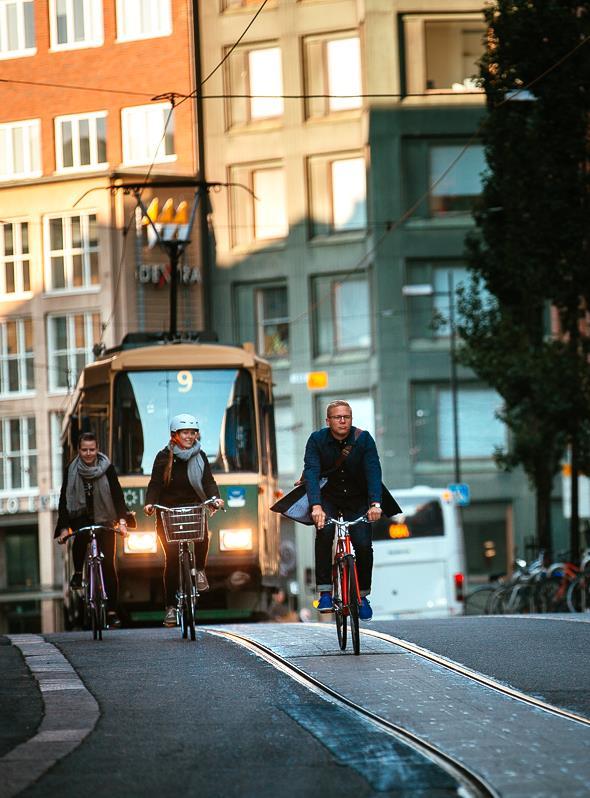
[(126, 397)]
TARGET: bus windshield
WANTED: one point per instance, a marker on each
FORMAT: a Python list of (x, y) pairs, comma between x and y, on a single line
[(423, 521), (222, 400)]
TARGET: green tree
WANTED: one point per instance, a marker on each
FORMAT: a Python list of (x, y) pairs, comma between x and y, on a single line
[(530, 249)]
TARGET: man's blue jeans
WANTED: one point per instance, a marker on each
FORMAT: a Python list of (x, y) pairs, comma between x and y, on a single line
[(362, 541)]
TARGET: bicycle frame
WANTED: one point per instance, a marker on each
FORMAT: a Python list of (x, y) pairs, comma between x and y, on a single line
[(343, 547)]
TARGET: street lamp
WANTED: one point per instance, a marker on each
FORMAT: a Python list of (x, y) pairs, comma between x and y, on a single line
[(425, 289)]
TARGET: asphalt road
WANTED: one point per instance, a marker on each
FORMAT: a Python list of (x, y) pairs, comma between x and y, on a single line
[(212, 719)]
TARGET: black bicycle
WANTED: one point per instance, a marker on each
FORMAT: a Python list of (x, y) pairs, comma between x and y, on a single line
[(185, 525), (94, 594)]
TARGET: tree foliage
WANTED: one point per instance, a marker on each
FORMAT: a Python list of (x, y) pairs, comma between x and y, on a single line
[(530, 249)]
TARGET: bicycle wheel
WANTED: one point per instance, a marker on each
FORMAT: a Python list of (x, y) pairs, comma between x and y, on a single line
[(578, 594), (353, 604), (97, 604), (477, 601), (338, 577), (552, 595), (189, 595)]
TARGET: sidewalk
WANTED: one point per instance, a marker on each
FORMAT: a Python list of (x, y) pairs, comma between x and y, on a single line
[(21, 705)]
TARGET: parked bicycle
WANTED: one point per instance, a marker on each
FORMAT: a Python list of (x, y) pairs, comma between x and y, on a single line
[(184, 526), (94, 594), (345, 584)]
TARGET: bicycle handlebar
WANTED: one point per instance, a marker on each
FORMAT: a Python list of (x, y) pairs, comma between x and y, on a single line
[(347, 524), (189, 506), (95, 527)]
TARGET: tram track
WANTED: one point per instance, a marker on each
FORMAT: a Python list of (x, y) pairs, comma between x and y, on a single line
[(475, 676), (470, 784)]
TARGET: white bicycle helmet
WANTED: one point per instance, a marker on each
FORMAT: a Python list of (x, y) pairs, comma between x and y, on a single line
[(183, 421)]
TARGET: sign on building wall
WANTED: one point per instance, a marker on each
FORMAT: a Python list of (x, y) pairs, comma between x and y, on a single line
[(29, 504)]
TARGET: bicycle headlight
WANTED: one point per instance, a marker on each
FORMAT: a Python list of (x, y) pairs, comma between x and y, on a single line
[(140, 543), (235, 539)]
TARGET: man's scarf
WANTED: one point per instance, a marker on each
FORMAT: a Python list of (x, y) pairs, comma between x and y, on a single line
[(78, 473), (195, 465)]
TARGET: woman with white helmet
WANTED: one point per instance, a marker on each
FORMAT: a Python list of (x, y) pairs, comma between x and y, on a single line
[(181, 475)]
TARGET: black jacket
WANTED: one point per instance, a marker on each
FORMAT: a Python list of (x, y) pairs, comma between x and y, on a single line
[(179, 491), (65, 520)]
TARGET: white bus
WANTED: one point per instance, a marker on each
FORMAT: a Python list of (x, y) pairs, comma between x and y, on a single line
[(419, 557)]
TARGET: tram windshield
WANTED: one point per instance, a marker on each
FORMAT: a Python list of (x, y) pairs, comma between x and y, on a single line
[(222, 400)]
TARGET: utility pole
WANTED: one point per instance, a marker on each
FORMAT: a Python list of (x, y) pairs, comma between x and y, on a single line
[(206, 266), (454, 390)]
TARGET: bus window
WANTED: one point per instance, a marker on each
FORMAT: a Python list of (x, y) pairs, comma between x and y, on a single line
[(425, 522), (222, 400)]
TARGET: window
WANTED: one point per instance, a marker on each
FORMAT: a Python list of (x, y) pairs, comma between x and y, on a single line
[(272, 321), (332, 74), (338, 189), (20, 149), (262, 315), (17, 28), (70, 341), (462, 184), (18, 454), (72, 251), (289, 460), (76, 23), (80, 141), (148, 134), (262, 214), (16, 357), (15, 258), (362, 405), (256, 74), (342, 314), (228, 5), (480, 431), (143, 19), (442, 52), (428, 316)]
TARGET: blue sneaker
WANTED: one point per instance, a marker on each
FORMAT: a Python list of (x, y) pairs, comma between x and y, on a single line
[(365, 611), (325, 604)]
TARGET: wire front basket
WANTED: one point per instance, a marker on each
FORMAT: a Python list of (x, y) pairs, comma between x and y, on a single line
[(184, 523)]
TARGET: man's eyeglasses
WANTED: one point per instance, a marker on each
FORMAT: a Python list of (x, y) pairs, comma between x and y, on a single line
[(340, 418)]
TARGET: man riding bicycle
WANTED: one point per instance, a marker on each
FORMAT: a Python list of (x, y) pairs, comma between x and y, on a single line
[(347, 457)]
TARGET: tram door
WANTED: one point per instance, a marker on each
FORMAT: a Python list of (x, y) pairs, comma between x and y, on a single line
[(268, 522)]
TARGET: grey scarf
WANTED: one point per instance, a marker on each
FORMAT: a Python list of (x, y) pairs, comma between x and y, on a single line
[(195, 466), (78, 473)]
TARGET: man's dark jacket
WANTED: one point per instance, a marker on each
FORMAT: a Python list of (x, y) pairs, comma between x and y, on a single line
[(357, 478)]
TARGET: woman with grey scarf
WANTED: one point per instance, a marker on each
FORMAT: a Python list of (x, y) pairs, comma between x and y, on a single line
[(181, 476), (91, 494)]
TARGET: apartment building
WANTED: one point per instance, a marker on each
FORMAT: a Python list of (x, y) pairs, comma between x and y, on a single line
[(348, 130), (77, 117)]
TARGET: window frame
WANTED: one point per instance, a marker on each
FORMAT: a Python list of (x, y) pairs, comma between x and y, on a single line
[(321, 192), (124, 36), (324, 40), (18, 259), (232, 116), (93, 15), (258, 291), (75, 119), (335, 280), (23, 51), (127, 145), (413, 39), (68, 252), (90, 317), (23, 454), (22, 358), (242, 211), (31, 147)]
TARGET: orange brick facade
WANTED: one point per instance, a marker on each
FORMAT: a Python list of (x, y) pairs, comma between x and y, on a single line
[(132, 71)]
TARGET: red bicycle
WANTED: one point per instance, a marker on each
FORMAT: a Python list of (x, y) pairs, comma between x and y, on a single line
[(345, 584)]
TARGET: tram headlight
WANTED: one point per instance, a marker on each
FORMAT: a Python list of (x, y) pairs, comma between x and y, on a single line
[(140, 543), (235, 539)]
